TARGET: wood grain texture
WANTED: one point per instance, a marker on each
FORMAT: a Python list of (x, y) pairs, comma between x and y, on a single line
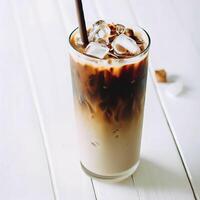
[(46, 43), (23, 166), (181, 60)]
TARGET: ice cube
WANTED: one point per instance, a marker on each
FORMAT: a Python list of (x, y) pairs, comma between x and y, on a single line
[(129, 32), (97, 50), (123, 44), (100, 30), (99, 23), (120, 28), (102, 41), (175, 88), (78, 40)]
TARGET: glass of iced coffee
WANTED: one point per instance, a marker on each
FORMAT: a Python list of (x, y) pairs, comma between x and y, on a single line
[(109, 82)]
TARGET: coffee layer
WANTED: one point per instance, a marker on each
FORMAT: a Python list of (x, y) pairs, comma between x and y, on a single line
[(113, 94)]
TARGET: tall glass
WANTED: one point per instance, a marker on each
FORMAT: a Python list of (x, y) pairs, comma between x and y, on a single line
[(109, 100)]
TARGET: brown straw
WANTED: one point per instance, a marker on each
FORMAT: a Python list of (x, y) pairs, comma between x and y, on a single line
[(81, 21)]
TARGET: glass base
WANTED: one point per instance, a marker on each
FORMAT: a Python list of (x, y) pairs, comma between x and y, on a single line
[(115, 177)]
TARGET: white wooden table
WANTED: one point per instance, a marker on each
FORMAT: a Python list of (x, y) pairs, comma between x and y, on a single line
[(38, 149)]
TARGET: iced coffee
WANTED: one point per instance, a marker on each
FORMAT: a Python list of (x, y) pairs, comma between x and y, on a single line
[(109, 81)]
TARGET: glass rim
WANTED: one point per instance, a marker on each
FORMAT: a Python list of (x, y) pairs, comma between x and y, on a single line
[(115, 59)]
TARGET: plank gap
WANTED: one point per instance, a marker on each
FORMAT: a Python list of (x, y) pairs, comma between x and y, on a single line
[(35, 98), (166, 118), (173, 137), (137, 191), (95, 195)]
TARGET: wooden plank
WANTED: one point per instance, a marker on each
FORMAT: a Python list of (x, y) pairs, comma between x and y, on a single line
[(24, 170), (182, 61), (161, 174), (118, 191), (46, 41), (161, 165), (187, 13)]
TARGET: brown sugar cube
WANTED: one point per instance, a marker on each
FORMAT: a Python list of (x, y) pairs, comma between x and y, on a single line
[(161, 75)]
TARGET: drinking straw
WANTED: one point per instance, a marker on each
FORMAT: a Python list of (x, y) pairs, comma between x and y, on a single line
[(81, 22)]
